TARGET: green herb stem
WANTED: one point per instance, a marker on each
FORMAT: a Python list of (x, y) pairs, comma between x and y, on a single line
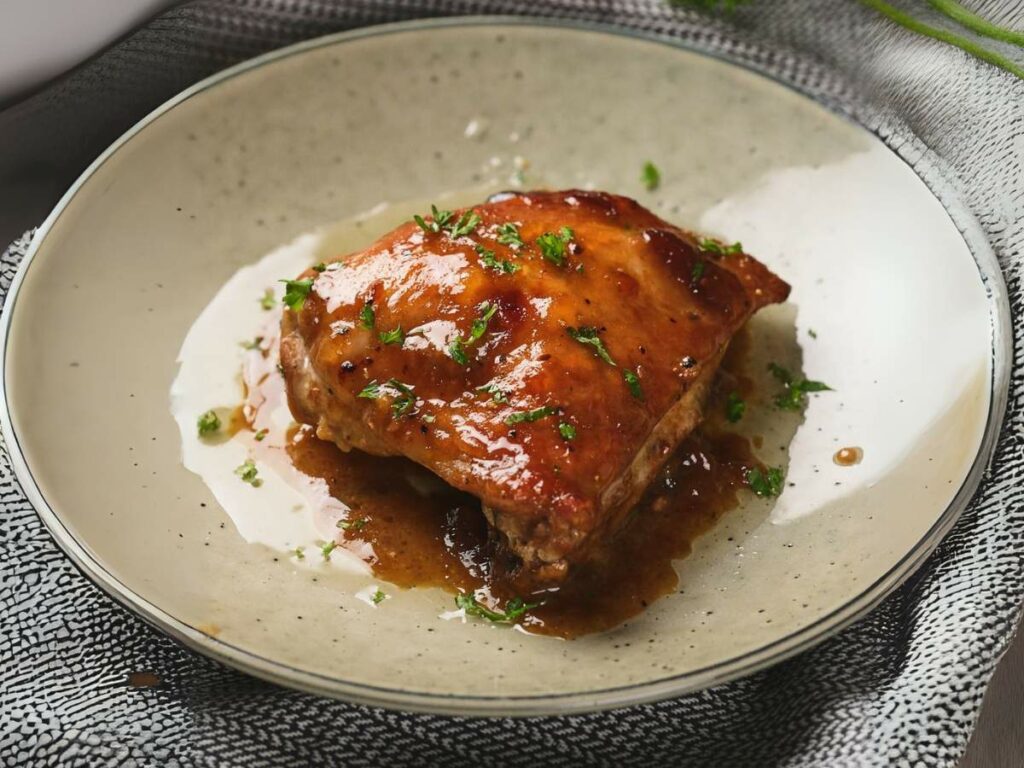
[(907, 21), (976, 23)]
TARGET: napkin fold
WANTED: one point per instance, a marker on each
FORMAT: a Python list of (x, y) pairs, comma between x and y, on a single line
[(901, 687)]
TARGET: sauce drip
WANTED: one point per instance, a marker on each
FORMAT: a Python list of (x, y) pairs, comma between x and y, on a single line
[(416, 531), (847, 457)]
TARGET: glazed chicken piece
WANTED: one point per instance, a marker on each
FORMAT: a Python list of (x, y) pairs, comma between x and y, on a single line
[(543, 351)]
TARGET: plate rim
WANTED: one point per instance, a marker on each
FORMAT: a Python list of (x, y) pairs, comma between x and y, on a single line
[(278, 672)]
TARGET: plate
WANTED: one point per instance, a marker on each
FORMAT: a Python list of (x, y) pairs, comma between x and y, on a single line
[(889, 306)]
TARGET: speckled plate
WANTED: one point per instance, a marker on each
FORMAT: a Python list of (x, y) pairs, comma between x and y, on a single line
[(889, 306)]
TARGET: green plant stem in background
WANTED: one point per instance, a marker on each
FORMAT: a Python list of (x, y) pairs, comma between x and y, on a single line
[(976, 23), (914, 25)]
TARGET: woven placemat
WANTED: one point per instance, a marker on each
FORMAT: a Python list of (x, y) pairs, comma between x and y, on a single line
[(901, 687)]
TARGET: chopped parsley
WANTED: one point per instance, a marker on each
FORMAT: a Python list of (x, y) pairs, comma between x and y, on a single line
[(352, 525), (254, 344), (437, 221), (404, 398), (296, 292), (794, 396), (529, 416), (650, 176), (497, 395), (767, 483), (367, 317), (633, 382), (567, 430), (249, 473), (445, 221), (319, 267), (268, 301), (457, 349), (812, 333), (208, 423), (713, 246), (587, 335), (466, 225), (553, 246), (371, 391), (378, 597), (327, 548), (508, 234), (697, 273), (300, 553), (734, 408), (259, 436), (490, 260), (394, 336), (514, 609)]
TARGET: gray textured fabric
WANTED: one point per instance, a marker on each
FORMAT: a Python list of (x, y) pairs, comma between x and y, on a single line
[(902, 687)]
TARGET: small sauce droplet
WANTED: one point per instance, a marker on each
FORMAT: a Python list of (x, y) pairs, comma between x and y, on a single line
[(847, 457)]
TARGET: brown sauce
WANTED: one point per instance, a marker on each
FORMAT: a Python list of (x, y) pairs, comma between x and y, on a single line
[(439, 538), (416, 531), (847, 457)]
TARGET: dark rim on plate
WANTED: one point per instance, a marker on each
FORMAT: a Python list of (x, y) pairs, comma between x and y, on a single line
[(535, 704)]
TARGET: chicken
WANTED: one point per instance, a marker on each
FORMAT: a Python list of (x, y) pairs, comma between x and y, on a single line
[(543, 351)]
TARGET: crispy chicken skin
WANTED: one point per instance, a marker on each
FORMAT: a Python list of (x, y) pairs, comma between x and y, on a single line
[(554, 482)]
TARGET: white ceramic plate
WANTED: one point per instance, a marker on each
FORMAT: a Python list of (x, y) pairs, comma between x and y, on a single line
[(909, 330)]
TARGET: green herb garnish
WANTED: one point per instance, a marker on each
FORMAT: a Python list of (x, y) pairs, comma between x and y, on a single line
[(812, 333), (651, 176), (514, 609), (553, 246), (300, 553), (208, 423), (466, 225), (404, 398), (587, 335), (508, 234), (254, 344), (296, 292), (378, 597), (268, 301), (352, 525), (529, 416), (248, 473), (319, 267), (443, 221), (438, 220), (371, 391), (697, 273), (633, 382), (367, 317), (259, 436), (766, 484), (394, 336), (567, 430), (497, 395), (734, 408), (327, 548), (794, 396), (713, 246), (490, 260), (457, 349)]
